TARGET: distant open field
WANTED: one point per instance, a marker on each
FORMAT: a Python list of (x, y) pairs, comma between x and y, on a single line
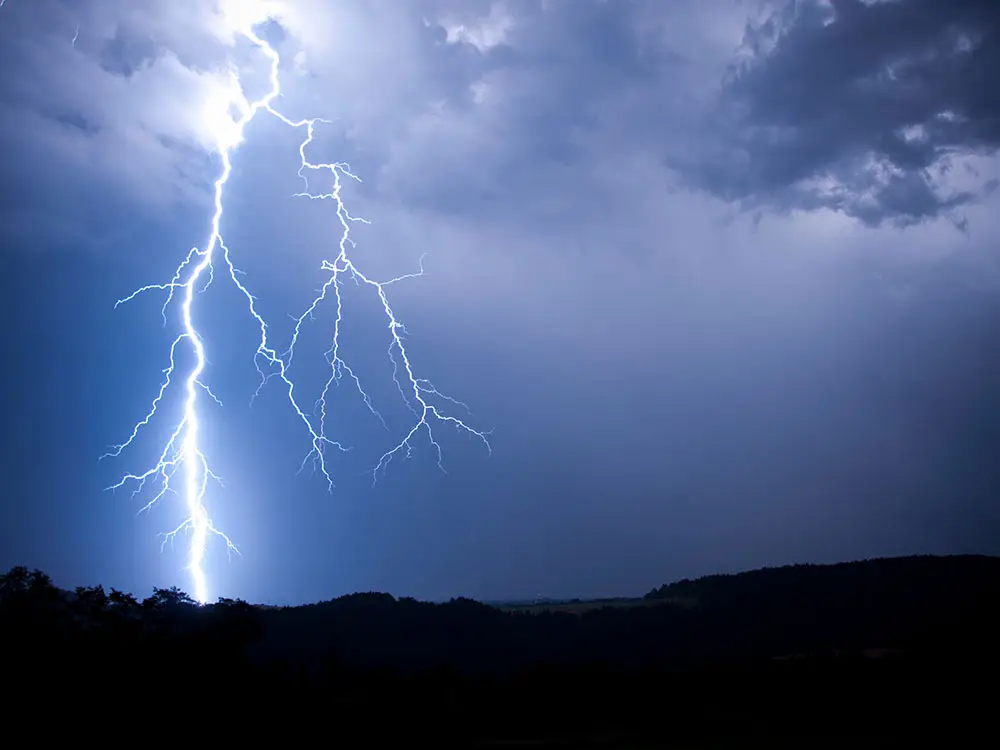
[(579, 606)]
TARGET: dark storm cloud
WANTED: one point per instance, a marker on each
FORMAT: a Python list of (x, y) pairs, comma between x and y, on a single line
[(542, 95), (127, 52), (859, 107)]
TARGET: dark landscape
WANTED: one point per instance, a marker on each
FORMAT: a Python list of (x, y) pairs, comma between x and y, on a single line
[(860, 654)]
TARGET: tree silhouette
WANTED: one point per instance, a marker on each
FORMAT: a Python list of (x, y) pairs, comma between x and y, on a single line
[(168, 599)]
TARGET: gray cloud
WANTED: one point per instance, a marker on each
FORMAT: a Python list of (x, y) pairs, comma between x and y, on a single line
[(860, 107), (107, 106)]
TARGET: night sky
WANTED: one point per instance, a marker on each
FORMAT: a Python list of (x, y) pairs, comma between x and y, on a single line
[(722, 280)]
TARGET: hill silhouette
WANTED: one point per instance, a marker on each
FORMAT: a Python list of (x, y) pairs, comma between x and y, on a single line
[(877, 646)]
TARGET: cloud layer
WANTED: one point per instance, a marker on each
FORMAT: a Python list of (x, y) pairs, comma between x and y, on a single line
[(666, 263)]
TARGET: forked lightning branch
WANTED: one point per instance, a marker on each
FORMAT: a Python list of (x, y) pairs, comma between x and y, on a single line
[(182, 468)]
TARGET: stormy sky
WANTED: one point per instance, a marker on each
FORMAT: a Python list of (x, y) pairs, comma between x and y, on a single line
[(720, 278)]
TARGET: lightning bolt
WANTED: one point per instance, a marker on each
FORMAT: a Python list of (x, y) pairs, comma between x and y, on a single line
[(182, 451)]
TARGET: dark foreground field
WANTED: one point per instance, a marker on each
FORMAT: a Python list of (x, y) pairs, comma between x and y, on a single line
[(852, 655)]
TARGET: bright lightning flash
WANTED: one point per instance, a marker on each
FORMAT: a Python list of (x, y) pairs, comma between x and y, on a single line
[(182, 452)]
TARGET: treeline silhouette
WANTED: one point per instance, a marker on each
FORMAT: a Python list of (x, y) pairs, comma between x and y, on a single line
[(880, 646)]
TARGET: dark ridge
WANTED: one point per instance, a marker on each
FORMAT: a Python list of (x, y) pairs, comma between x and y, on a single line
[(891, 647), (889, 573)]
